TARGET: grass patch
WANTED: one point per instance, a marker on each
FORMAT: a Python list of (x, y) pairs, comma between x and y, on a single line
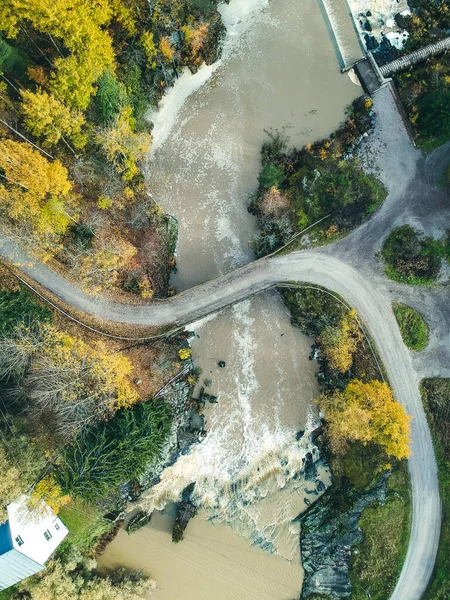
[(20, 306), (85, 523), (436, 401), (7, 594), (413, 327), (386, 528)]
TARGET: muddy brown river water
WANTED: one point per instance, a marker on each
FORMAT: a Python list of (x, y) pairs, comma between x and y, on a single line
[(279, 71)]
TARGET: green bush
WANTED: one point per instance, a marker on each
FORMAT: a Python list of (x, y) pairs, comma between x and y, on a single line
[(109, 454), (82, 235), (20, 306), (412, 325), (110, 98), (434, 114), (271, 176), (410, 257)]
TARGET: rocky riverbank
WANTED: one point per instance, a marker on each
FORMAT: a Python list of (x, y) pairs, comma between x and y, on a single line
[(330, 532)]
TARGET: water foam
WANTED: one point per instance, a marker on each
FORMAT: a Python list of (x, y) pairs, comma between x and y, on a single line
[(258, 491), (238, 16)]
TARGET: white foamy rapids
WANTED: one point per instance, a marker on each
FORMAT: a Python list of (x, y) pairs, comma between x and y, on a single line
[(382, 18), (259, 493), (237, 16), (340, 28)]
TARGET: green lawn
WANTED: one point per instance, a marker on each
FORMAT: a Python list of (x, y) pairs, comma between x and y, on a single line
[(412, 325), (85, 524)]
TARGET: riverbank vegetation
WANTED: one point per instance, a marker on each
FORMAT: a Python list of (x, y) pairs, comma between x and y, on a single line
[(413, 327), (323, 182), (436, 401), (76, 79), (78, 427), (371, 489), (411, 257), (425, 89)]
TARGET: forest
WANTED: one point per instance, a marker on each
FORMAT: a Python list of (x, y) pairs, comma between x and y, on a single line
[(77, 78), (79, 425), (425, 89)]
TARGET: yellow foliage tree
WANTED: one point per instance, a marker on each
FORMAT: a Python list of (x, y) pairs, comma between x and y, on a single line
[(166, 48), (47, 117), (195, 36), (338, 343), (66, 379), (33, 191), (149, 46), (367, 413), (98, 269), (47, 490), (184, 353), (122, 146), (78, 26)]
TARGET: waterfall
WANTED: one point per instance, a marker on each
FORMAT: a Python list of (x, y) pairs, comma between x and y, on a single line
[(343, 35), (259, 492)]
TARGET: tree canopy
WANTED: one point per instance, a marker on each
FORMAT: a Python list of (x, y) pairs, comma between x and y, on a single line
[(368, 413)]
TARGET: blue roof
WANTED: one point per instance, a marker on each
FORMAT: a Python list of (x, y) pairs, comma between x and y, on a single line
[(5, 538), (15, 566)]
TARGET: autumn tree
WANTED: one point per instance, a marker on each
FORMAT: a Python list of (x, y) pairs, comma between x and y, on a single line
[(77, 580), (339, 342), (195, 36), (98, 266), (150, 49), (48, 118), (76, 26), (66, 382), (122, 146), (366, 413), (34, 192), (274, 203), (166, 49), (47, 493)]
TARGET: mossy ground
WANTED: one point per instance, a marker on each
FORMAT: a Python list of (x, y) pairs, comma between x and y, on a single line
[(413, 327), (386, 527)]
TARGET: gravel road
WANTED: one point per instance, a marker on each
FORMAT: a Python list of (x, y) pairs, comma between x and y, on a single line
[(351, 269)]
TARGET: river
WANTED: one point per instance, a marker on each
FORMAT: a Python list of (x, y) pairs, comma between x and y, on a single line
[(279, 71)]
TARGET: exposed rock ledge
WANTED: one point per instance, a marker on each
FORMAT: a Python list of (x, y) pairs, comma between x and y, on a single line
[(329, 532)]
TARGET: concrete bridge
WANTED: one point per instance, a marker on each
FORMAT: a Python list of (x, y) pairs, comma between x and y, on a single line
[(373, 77), (409, 60)]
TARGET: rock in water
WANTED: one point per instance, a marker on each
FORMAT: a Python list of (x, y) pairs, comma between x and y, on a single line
[(186, 511)]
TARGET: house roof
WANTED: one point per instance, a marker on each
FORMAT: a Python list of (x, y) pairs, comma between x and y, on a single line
[(15, 566), (35, 534)]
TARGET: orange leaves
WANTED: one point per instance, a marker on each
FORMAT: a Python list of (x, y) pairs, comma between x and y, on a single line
[(367, 413), (166, 49)]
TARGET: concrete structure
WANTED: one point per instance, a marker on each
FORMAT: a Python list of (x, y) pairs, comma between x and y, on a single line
[(27, 540), (409, 60)]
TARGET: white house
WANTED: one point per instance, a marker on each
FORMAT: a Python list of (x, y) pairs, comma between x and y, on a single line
[(27, 540)]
